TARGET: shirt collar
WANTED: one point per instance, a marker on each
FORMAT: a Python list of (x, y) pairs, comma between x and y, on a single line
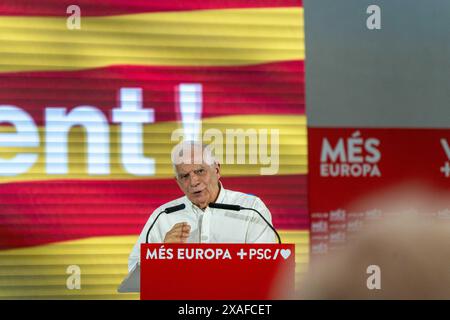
[(221, 195)]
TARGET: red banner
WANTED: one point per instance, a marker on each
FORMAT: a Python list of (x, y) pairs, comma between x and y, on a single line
[(348, 165), (217, 271)]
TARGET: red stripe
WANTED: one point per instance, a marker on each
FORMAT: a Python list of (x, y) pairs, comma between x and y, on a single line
[(39, 212), (116, 7), (272, 88)]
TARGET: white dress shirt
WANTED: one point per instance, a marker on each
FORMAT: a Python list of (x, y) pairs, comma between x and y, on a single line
[(211, 225)]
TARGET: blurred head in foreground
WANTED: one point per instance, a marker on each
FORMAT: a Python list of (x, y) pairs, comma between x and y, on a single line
[(405, 256)]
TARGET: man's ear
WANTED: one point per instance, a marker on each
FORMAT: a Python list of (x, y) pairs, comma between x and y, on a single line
[(218, 169)]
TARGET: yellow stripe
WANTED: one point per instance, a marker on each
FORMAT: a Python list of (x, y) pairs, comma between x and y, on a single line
[(158, 144), (40, 272), (191, 38)]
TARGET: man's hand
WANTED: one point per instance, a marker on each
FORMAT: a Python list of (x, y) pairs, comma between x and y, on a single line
[(178, 234)]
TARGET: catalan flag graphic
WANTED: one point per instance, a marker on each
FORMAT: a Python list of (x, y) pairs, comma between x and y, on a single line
[(72, 190)]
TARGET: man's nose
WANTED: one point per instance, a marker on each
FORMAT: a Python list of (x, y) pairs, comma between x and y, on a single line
[(194, 180)]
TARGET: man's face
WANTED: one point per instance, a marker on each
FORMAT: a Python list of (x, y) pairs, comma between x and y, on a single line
[(199, 182)]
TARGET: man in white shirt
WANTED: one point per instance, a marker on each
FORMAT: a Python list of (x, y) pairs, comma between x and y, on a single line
[(198, 175)]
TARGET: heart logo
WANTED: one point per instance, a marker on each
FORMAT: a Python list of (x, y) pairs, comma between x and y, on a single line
[(285, 253)]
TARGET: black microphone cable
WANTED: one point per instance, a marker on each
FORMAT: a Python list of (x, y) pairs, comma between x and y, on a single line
[(234, 207), (167, 211)]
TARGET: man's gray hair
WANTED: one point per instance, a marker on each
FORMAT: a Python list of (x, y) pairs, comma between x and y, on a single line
[(192, 152)]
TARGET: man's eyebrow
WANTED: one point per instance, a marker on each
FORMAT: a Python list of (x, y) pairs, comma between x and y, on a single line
[(201, 167)]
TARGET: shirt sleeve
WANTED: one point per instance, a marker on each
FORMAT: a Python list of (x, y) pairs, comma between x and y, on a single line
[(258, 230), (154, 237)]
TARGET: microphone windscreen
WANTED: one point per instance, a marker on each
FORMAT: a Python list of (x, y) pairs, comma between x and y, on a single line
[(175, 208), (225, 206)]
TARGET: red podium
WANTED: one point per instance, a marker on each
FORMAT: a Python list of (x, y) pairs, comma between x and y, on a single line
[(217, 271)]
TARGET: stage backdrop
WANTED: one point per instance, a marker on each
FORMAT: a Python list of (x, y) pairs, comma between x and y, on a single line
[(378, 112), (79, 177)]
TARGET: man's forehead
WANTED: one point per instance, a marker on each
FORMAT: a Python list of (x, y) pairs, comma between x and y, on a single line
[(188, 167)]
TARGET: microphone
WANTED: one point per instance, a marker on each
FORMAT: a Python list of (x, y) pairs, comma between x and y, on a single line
[(166, 211), (234, 207), (175, 208)]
